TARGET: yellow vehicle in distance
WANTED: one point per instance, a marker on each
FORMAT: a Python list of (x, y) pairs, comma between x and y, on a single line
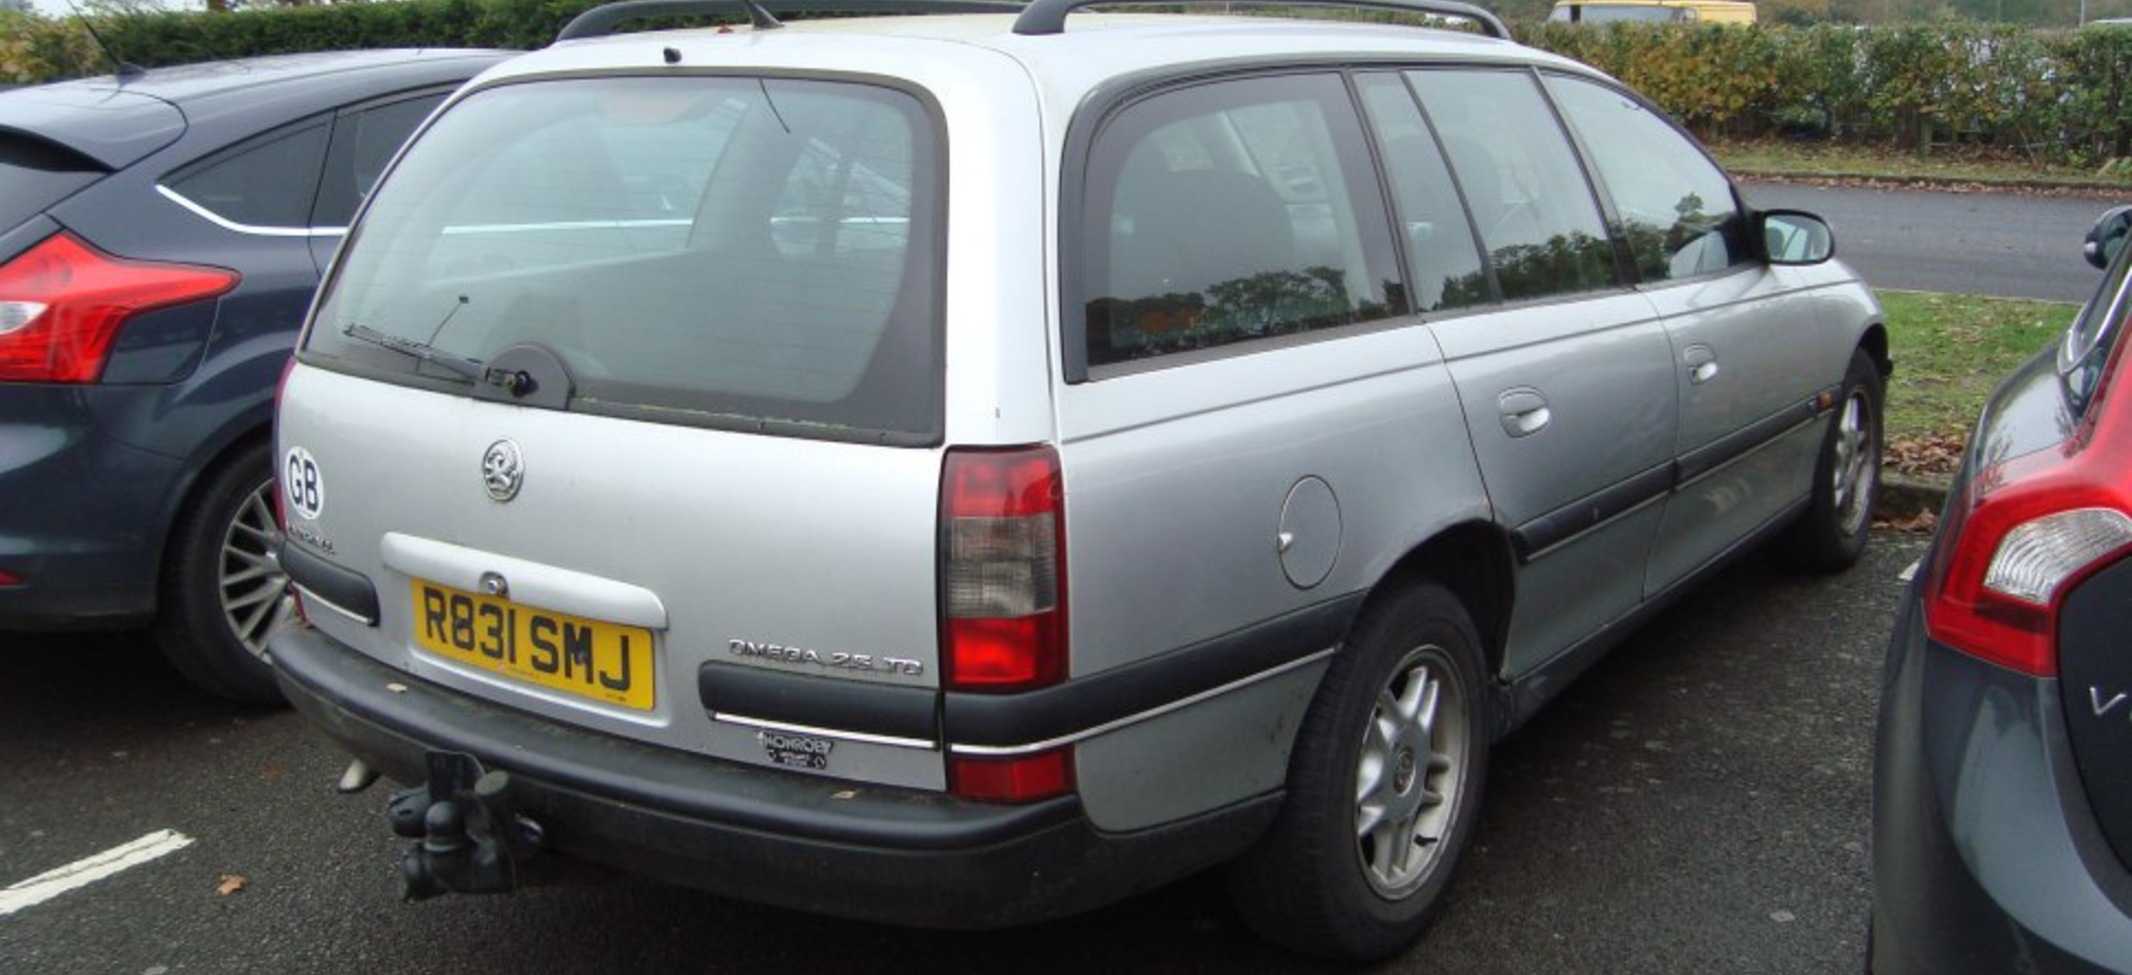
[(1652, 11)]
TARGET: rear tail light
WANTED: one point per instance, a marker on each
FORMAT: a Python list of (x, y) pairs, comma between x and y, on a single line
[(9, 579), (2015, 541), (1003, 570), (62, 303)]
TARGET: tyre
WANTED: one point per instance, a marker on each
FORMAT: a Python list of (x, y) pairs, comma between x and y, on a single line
[(223, 591), (1384, 787), (1831, 534)]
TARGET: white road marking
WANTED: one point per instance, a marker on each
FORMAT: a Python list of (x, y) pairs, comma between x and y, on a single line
[(88, 870)]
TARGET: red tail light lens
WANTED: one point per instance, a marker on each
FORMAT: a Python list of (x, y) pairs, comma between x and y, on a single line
[(62, 303), (9, 579), (2014, 542), (1003, 570), (1023, 778)]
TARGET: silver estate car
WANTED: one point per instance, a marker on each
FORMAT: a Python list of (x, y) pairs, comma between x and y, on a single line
[(974, 463)]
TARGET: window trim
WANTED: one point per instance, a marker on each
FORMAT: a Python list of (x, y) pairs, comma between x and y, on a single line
[(319, 120)]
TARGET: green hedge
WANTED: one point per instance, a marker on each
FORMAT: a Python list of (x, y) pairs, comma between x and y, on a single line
[(2057, 95)]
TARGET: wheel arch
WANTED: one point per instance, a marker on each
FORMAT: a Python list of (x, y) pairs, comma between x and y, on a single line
[(234, 438), (1875, 343), (1475, 562)]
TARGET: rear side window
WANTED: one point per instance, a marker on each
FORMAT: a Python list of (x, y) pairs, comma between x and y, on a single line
[(1676, 208), (35, 174), (268, 182), (1227, 213), (1444, 265), (741, 252), (1528, 195)]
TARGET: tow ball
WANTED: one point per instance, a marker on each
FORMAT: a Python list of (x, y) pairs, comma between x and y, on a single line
[(468, 840)]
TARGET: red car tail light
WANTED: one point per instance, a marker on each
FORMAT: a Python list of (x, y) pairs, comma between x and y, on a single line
[(62, 303), (1002, 570), (2019, 535)]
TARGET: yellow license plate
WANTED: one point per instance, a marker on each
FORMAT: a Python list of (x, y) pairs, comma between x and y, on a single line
[(606, 662)]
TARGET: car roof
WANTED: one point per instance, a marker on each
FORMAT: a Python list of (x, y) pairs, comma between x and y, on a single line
[(116, 120), (1093, 49)]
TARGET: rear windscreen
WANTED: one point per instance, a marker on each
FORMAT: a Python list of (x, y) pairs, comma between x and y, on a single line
[(35, 174), (738, 252)]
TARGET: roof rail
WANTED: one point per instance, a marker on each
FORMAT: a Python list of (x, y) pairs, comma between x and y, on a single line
[(601, 20), (1049, 16)]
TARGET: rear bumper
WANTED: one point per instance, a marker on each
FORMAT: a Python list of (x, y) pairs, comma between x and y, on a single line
[(781, 838), (83, 515), (1986, 858)]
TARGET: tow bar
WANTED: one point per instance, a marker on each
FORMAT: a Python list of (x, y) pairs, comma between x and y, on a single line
[(469, 841)]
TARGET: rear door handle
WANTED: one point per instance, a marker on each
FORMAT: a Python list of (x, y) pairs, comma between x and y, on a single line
[(1524, 411)]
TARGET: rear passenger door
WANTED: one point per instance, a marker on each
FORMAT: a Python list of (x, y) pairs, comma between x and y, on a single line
[(1562, 369), (1748, 358)]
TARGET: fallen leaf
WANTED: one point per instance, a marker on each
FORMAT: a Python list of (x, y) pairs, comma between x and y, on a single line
[(1922, 523), (1927, 455), (231, 883), (272, 772)]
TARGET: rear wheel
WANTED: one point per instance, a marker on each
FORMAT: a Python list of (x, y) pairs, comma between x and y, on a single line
[(224, 593), (1831, 535), (1384, 787)]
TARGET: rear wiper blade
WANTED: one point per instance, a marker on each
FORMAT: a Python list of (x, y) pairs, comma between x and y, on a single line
[(470, 369)]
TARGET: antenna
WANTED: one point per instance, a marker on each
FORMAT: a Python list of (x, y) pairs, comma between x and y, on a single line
[(120, 67)]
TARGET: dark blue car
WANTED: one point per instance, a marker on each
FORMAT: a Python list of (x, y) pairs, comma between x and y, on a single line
[(161, 234), (2002, 794)]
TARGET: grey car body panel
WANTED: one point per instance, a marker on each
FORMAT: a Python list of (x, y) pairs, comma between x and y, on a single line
[(1610, 420), (1775, 338)]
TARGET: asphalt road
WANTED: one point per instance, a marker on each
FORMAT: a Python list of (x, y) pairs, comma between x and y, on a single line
[(2002, 244), (1697, 803)]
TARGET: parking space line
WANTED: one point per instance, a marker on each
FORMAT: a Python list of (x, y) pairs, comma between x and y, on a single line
[(88, 870)]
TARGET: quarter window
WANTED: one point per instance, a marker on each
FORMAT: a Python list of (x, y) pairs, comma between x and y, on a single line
[(267, 182), (1676, 208), (1528, 195), (1226, 213)]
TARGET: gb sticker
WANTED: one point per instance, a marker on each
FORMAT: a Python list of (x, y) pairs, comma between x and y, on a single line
[(301, 485)]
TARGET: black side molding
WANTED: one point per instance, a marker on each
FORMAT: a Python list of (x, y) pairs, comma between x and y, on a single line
[(1591, 511), (340, 588), (1714, 455), (841, 706), (1587, 513), (1086, 703)]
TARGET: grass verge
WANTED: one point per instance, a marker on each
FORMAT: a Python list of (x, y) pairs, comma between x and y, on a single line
[(1954, 165), (1950, 352)]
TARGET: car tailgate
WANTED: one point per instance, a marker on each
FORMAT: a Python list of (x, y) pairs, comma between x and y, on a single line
[(772, 578)]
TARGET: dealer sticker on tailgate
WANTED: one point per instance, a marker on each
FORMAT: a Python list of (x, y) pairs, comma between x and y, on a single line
[(606, 662)]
